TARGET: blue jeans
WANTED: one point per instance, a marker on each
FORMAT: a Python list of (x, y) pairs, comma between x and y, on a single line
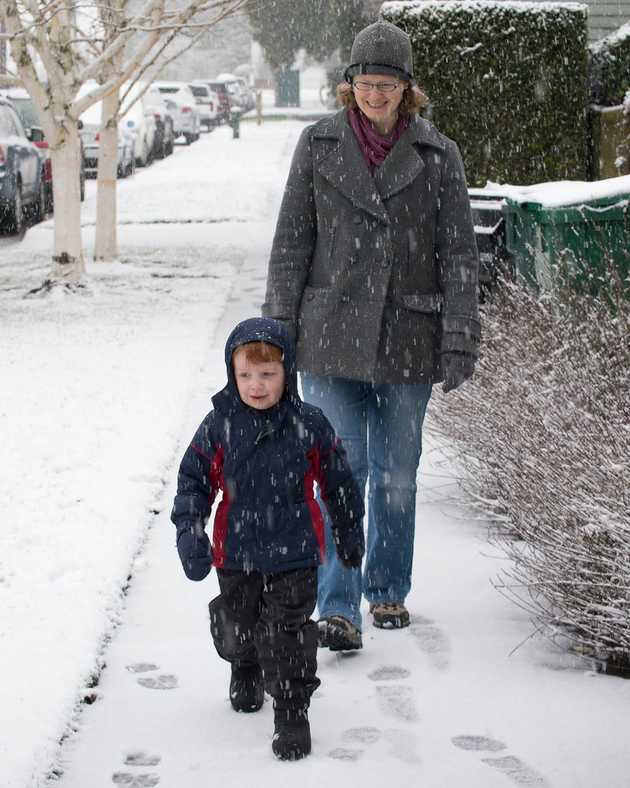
[(380, 426)]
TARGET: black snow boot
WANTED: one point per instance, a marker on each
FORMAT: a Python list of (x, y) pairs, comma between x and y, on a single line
[(247, 689), (292, 734)]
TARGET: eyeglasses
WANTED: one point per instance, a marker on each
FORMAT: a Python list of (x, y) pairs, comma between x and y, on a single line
[(382, 87)]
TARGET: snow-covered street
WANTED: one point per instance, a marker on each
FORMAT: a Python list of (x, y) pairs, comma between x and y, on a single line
[(100, 394)]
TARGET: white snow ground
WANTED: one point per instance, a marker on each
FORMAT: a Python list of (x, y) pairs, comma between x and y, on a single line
[(100, 394)]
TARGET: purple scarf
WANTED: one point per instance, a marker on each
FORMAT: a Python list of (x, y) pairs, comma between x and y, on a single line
[(374, 147)]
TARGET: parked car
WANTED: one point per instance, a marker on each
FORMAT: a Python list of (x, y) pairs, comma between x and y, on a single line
[(223, 97), (27, 111), (22, 192), (207, 103), (90, 133), (182, 104), (139, 121), (239, 91), (164, 141)]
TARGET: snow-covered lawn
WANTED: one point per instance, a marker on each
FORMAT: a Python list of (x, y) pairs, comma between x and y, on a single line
[(100, 393)]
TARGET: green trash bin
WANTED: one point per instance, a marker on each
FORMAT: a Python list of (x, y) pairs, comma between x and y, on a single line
[(583, 236)]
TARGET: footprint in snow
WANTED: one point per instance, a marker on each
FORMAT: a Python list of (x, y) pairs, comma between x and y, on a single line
[(345, 754), (365, 735), (431, 640), (402, 744), (130, 780), (482, 743), (389, 673), (398, 701), (140, 758), (165, 681), (518, 771), (142, 667)]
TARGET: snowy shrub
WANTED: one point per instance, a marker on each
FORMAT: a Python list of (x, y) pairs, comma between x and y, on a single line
[(609, 68), (507, 81), (542, 434)]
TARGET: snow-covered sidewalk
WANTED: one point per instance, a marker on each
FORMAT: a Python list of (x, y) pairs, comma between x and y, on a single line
[(99, 395)]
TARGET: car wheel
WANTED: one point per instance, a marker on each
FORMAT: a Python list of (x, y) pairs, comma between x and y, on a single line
[(39, 208), (141, 161), (14, 214), (82, 186), (189, 138)]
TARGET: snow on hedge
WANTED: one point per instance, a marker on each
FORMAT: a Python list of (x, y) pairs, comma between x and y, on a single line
[(557, 193)]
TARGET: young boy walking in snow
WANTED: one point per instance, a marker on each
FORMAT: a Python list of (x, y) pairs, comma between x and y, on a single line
[(263, 449)]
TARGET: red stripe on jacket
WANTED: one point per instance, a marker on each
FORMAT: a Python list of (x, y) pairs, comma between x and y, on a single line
[(313, 475), (219, 532)]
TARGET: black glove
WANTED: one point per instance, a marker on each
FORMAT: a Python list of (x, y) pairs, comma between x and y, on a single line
[(195, 553), (456, 368), (351, 559)]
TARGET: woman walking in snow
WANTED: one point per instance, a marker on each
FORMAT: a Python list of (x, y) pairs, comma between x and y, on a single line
[(374, 268)]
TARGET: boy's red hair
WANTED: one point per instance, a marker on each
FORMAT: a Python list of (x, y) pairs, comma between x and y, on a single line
[(259, 352)]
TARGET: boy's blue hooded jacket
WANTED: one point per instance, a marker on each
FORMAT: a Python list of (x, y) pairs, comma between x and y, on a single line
[(264, 464)]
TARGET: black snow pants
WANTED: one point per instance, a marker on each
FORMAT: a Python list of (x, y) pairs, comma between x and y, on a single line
[(265, 619)]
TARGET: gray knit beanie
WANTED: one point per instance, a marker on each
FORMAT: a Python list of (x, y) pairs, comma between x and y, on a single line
[(381, 48)]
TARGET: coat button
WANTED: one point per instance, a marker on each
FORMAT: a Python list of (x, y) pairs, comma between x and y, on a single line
[(345, 299), (357, 218)]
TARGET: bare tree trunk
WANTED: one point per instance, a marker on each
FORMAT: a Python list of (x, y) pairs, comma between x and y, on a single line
[(106, 242), (68, 263)]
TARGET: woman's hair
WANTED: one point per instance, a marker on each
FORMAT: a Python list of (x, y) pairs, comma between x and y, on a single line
[(259, 352), (413, 99)]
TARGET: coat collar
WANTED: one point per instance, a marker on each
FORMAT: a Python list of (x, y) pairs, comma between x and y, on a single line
[(343, 165)]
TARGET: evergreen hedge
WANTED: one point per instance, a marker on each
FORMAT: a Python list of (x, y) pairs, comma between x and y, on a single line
[(507, 81), (609, 68)]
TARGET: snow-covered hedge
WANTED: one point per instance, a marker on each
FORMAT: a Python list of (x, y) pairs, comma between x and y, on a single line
[(609, 68), (507, 81), (542, 433)]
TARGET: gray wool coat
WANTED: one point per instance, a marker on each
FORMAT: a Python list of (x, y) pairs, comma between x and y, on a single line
[(376, 275)]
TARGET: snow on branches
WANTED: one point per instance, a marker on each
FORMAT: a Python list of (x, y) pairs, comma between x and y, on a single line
[(542, 435)]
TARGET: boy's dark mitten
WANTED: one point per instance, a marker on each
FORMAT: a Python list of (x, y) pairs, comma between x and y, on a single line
[(195, 553), (351, 559), (456, 368)]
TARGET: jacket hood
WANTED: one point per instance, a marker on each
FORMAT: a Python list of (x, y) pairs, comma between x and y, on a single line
[(259, 329)]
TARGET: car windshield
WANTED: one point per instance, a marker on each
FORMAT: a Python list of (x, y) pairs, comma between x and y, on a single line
[(165, 89), (27, 112)]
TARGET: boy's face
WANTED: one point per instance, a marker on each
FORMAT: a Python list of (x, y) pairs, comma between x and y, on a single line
[(260, 385)]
